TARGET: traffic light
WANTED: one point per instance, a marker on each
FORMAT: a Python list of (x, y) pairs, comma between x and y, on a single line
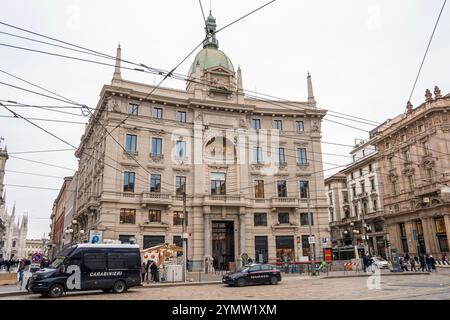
[(386, 243)]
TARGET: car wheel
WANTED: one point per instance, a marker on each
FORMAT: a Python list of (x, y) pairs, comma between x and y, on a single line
[(241, 282), (55, 291), (273, 280), (120, 287)]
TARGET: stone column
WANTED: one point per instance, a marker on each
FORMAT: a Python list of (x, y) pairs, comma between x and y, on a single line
[(242, 241), (429, 235), (207, 235), (447, 228)]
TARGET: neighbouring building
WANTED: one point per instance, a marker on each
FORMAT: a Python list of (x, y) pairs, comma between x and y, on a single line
[(414, 159), (57, 217), (247, 166), (13, 232), (355, 198), (34, 246), (70, 210)]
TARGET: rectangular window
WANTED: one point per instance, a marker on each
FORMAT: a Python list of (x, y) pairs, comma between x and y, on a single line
[(158, 113), (302, 157), (256, 124), (218, 183), (259, 189), (154, 215), (133, 109), (394, 188), (283, 217), (128, 181), (178, 218), (128, 216), (281, 188), (430, 175), (370, 167), (352, 176), (305, 245), (304, 189), (260, 219), (403, 238), (304, 219), (257, 155), (155, 183), (278, 124), (426, 148), (345, 196), (363, 186), (372, 184), (181, 116), (411, 183), (355, 210), (156, 146), (285, 249), (131, 143), (360, 172), (180, 185), (440, 225), (125, 238), (299, 126), (151, 241), (180, 149), (375, 205), (406, 155), (261, 249), (95, 261), (280, 156)]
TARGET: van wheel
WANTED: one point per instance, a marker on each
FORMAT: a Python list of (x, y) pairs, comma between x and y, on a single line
[(120, 287), (241, 282), (56, 291), (273, 280)]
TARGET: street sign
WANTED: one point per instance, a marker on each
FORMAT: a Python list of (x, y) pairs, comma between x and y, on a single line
[(311, 240), (95, 236), (37, 257)]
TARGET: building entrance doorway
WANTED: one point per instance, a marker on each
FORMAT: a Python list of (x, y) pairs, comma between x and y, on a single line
[(222, 244)]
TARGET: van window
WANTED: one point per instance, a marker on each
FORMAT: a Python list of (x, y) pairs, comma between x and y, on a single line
[(123, 261), (95, 261), (132, 261), (73, 261)]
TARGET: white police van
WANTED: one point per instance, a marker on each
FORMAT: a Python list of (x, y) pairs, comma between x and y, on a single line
[(107, 267)]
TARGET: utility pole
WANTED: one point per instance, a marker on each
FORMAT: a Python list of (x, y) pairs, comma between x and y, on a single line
[(184, 237), (366, 243)]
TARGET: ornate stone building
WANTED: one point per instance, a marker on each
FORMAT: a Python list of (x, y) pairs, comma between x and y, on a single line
[(414, 158), (247, 166), (355, 198)]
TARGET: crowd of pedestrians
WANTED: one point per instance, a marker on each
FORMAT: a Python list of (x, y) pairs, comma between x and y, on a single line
[(149, 271), (424, 262)]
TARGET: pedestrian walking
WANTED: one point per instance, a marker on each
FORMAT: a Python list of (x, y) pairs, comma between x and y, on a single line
[(403, 265), (143, 272), (428, 262), (422, 262), (412, 262), (432, 264), (365, 261), (21, 273), (154, 271), (147, 269)]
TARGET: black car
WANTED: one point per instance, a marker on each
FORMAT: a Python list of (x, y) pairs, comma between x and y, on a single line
[(253, 274), (106, 267)]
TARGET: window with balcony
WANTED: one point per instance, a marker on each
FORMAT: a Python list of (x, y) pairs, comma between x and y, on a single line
[(154, 216), (131, 143), (133, 109), (128, 181), (156, 146), (260, 219), (256, 124), (304, 189), (299, 126), (278, 124), (180, 185), (218, 183), (283, 217), (155, 183), (157, 113), (304, 219), (257, 155), (127, 216), (181, 116), (259, 189), (281, 188), (180, 149), (302, 156), (375, 204), (280, 156)]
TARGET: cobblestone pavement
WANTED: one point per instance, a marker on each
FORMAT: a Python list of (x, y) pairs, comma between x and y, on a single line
[(433, 286)]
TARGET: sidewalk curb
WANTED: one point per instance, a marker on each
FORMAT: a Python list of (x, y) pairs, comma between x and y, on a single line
[(14, 293), (371, 274)]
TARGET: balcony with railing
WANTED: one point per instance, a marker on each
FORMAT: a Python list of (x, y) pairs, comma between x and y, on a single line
[(224, 200), (156, 198), (285, 202)]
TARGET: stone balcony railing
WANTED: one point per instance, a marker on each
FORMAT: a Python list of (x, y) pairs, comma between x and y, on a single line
[(285, 202), (231, 200), (156, 197)]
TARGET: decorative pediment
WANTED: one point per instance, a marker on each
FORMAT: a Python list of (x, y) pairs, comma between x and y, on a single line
[(156, 168), (158, 133)]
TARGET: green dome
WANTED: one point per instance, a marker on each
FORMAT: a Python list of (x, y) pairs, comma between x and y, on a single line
[(210, 58)]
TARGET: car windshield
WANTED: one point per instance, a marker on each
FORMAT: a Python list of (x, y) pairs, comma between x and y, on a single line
[(243, 269), (60, 259)]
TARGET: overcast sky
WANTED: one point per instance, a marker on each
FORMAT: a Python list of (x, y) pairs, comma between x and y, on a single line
[(363, 57)]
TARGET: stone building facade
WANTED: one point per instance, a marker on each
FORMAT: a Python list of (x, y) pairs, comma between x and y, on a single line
[(247, 166), (34, 246), (414, 158), (355, 197)]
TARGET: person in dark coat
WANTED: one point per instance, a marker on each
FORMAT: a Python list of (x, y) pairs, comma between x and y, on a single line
[(154, 271), (423, 265), (143, 271), (433, 263), (412, 262), (428, 262)]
